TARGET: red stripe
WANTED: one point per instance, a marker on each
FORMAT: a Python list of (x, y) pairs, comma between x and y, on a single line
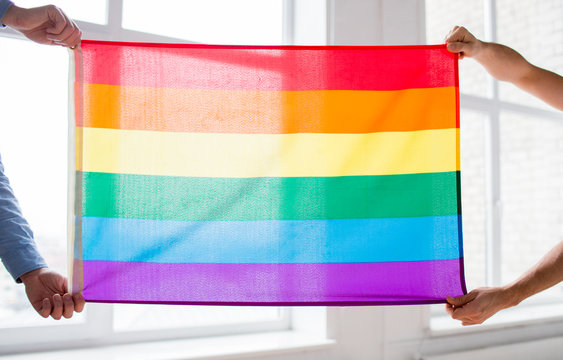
[(267, 67)]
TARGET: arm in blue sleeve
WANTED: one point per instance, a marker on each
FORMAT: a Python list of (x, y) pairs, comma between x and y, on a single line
[(17, 248), (4, 5)]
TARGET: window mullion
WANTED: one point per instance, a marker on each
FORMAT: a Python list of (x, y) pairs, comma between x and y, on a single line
[(493, 200), (492, 164), (288, 24), (115, 18)]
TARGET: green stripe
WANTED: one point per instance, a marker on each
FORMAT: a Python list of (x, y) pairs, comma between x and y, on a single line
[(267, 198)]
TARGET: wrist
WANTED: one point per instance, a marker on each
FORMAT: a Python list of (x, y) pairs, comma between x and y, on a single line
[(31, 274), (513, 295), (480, 49), (4, 7), (11, 16)]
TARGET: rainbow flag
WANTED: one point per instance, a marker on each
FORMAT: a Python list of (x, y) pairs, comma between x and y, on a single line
[(266, 175)]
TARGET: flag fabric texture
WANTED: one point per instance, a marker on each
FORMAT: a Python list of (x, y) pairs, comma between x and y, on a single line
[(265, 175)]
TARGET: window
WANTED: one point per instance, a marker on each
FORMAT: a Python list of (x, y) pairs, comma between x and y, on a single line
[(247, 22), (33, 144), (511, 152), (92, 11)]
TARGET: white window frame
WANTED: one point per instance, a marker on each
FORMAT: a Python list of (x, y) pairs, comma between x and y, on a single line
[(491, 105), (97, 327), (407, 331)]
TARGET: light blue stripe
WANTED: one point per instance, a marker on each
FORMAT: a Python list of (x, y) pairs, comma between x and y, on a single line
[(271, 241)]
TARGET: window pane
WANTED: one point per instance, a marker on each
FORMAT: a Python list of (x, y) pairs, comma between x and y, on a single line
[(210, 21), (473, 196), (441, 17), (535, 29), (33, 144), (93, 11), (152, 317), (531, 190)]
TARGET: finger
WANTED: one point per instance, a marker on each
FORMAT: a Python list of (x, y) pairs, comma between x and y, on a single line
[(68, 306), (471, 321), (58, 18), (461, 300), (449, 309), (450, 33), (460, 313), (458, 33), (45, 309), (63, 36), (57, 311), (78, 302), (466, 312), (73, 41), (457, 47)]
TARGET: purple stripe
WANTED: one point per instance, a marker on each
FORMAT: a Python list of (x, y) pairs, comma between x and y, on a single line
[(417, 282)]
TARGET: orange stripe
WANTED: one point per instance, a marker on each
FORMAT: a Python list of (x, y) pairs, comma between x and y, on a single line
[(267, 112)]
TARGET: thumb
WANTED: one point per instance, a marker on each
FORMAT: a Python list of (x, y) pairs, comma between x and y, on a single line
[(457, 47), (461, 300)]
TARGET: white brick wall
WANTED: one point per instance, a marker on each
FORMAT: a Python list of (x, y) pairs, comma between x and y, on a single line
[(531, 149), (531, 190), (535, 29)]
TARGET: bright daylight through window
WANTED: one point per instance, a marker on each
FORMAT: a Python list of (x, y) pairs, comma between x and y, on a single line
[(33, 144)]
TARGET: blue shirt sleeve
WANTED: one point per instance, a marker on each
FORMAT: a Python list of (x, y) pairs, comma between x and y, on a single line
[(4, 5), (17, 248)]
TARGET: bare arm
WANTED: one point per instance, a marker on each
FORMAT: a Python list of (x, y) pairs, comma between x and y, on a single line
[(482, 303), (505, 64), (545, 274)]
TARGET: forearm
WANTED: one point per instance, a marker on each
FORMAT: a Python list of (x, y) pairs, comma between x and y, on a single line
[(505, 64), (502, 62), (17, 247), (545, 274), (14, 16)]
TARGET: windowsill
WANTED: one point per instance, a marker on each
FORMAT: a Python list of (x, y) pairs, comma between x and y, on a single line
[(225, 347), (521, 350), (513, 317)]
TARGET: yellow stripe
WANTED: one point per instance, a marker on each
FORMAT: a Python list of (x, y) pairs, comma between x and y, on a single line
[(259, 155)]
